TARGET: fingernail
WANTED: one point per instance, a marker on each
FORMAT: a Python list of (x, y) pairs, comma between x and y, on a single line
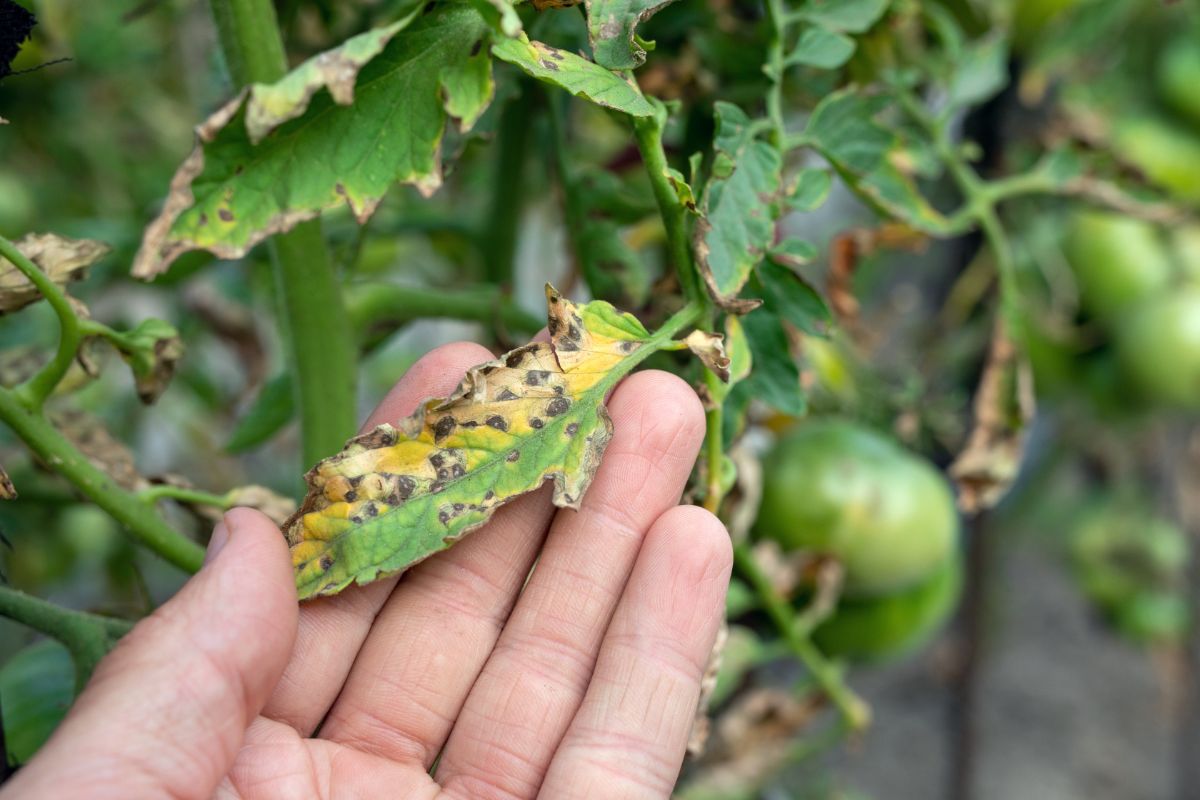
[(220, 536)]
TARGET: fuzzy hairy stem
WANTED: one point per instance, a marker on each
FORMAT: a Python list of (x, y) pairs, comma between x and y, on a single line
[(319, 339)]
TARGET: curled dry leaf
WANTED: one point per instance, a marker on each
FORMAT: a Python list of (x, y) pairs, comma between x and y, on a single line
[(152, 350), (7, 490), (106, 453), (1004, 404), (742, 501), (63, 260), (709, 348), (276, 506), (708, 684), (397, 495)]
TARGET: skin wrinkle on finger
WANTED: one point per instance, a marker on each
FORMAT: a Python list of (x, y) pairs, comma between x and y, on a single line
[(629, 736), (658, 428), (333, 629), (424, 653)]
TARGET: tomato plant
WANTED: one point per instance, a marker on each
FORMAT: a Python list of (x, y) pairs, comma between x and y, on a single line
[(928, 264)]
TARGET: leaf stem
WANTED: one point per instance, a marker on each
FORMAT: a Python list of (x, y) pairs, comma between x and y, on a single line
[(167, 492), (371, 305), (88, 637), (775, 69), (33, 393), (139, 518), (317, 331), (855, 712), (648, 131), (499, 241)]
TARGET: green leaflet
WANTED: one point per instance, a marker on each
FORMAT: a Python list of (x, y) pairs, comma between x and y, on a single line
[(37, 686), (230, 193), (611, 26), (397, 495), (850, 16), (740, 207), (577, 75)]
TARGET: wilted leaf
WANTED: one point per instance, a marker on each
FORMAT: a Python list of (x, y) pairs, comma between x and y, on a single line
[(63, 260), (273, 504), (397, 495), (230, 193), (1004, 405), (739, 210), (7, 490), (709, 349), (101, 448), (152, 350), (708, 684), (611, 26), (577, 75)]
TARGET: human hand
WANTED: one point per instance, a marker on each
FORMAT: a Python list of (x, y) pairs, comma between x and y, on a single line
[(582, 684)]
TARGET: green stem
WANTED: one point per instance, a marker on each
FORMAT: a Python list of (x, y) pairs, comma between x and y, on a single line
[(196, 496), (88, 637), (33, 393), (775, 69), (371, 305), (504, 216), (855, 712), (140, 519), (319, 339), (648, 132)]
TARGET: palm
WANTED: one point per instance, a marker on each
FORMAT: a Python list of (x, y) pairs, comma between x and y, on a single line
[(561, 681)]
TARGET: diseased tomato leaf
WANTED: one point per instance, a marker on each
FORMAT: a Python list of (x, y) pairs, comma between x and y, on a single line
[(397, 495), (63, 260), (395, 84)]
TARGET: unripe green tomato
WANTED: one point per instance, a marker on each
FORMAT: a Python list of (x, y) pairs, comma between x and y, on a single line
[(1120, 552), (840, 489), (1159, 348), (879, 628), (1169, 154), (1117, 260), (1179, 77)]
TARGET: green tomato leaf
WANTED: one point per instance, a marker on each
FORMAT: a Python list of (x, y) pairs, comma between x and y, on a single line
[(849, 16), (37, 686), (775, 379), (320, 150), (397, 495), (791, 298), (577, 75), (843, 129), (812, 187), (611, 28), (500, 15), (980, 72), (739, 209), (794, 251), (821, 48), (893, 194)]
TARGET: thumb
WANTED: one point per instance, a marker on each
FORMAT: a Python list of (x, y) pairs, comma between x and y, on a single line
[(166, 711)]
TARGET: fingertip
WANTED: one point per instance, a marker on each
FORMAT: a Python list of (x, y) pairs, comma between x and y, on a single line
[(664, 412)]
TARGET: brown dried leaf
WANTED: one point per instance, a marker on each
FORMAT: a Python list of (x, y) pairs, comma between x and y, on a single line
[(63, 260), (7, 490), (708, 683), (1004, 405), (276, 506), (709, 349), (106, 453)]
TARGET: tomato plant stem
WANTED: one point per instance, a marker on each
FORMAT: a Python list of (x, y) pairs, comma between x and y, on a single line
[(648, 132), (374, 304), (139, 518), (87, 637), (855, 712), (504, 216), (313, 316)]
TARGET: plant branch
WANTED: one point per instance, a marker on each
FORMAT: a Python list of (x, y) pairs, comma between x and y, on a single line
[(33, 393), (648, 132), (855, 712), (139, 518), (499, 240), (317, 331), (167, 492), (371, 305), (88, 637)]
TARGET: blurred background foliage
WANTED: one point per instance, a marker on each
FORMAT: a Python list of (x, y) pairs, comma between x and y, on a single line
[(1105, 284)]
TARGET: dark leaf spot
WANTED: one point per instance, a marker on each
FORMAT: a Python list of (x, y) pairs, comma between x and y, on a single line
[(436, 460), (506, 394), (459, 507), (225, 214), (326, 562), (356, 519), (513, 456), (557, 406), (372, 510), (496, 421), (458, 471), (536, 424), (444, 517), (536, 377), (572, 428), (443, 427), (489, 494), (351, 496)]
